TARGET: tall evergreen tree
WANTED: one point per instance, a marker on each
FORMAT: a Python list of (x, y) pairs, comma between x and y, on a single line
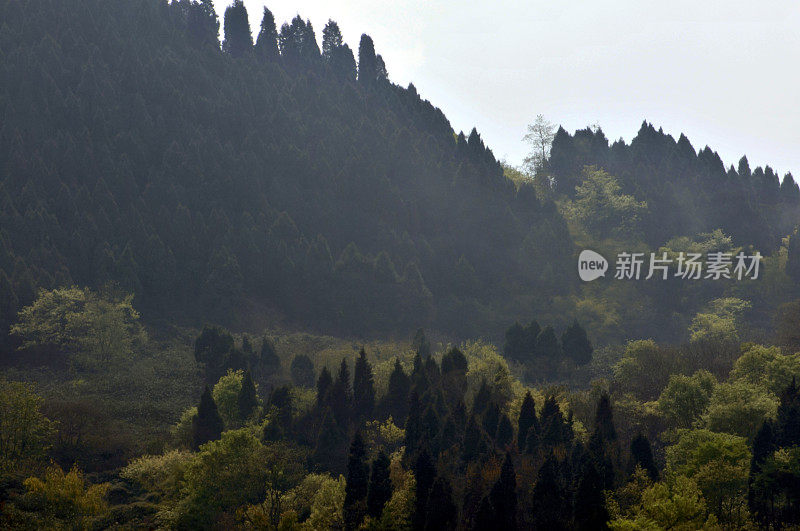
[(380, 486), (324, 384), (516, 344), (269, 358), (642, 455), (247, 399), (590, 503), (761, 503), (576, 344), (238, 39), (503, 497), (266, 47), (363, 388), (420, 343), (395, 402), (527, 420), (549, 507), (331, 40), (413, 425), (425, 473), (547, 344), (441, 512), (203, 23), (207, 425), (357, 486), (302, 370), (341, 397)]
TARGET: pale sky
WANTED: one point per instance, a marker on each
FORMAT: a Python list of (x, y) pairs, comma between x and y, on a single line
[(725, 73)]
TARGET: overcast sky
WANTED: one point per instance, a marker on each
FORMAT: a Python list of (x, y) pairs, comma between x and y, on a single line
[(725, 73)]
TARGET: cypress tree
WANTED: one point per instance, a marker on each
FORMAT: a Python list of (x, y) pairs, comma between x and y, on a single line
[(267, 42), (413, 425), (430, 430), (788, 417), (395, 402), (527, 420), (363, 388), (331, 40), (485, 518), (341, 397), (380, 486), (576, 344), (302, 370), (324, 383), (604, 420), (247, 399), (532, 332), (420, 343), (269, 358), (759, 502), (547, 344), (442, 512), (355, 494), (425, 474), (642, 455), (238, 39), (590, 503), (505, 432), (516, 344), (549, 505), (503, 497), (207, 425), (203, 23)]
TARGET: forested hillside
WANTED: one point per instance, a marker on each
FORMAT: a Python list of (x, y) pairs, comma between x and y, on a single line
[(217, 260), (268, 178)]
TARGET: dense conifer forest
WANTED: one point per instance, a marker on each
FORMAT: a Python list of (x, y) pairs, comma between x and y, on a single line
[(249, 282)]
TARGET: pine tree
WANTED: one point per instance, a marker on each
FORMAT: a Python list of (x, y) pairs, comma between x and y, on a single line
[(485, 518), (355, 494), (503, 497), (380, 486), (247, 399), (238, 39), (576, 344), (266, 47), (207, 425), (363, 388), (324, 383), (642, 455), (590, 503), (527, 421)]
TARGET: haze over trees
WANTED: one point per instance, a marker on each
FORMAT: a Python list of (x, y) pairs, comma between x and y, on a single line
[(241, 282)]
